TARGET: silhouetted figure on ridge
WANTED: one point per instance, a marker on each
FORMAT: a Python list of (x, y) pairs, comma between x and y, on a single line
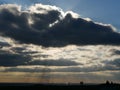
[(107, 82), (81, 83)]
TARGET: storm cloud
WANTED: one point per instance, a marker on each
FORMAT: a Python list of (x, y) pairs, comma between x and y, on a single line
[(114, 63), (10, 59), (4, 44), (49, 26)]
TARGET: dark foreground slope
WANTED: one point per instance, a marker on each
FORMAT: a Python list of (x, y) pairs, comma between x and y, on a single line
[(19, 86)]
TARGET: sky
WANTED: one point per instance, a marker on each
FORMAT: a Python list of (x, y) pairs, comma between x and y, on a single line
[(53, 41)]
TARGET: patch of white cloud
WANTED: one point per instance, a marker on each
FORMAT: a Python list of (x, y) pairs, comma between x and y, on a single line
[(52, 24), (2, 39), (30, 21), (109, 25), (87, 19), (43, 9)]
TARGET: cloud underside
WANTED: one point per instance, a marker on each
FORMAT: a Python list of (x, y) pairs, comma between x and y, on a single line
[(49, 26)]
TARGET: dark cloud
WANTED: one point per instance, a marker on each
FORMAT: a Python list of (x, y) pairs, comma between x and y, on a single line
[(9, 59), (115, 62), (4, 44), (116, 52), (34, 27), (18, 56), (42, 21), (112, 65), (82, 32), (23, 51), (18, 69), (87, 69), (18, 49), (53, 62)]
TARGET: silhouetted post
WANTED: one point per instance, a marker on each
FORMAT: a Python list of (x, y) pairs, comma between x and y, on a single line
[(81, 83), (107, 82)]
